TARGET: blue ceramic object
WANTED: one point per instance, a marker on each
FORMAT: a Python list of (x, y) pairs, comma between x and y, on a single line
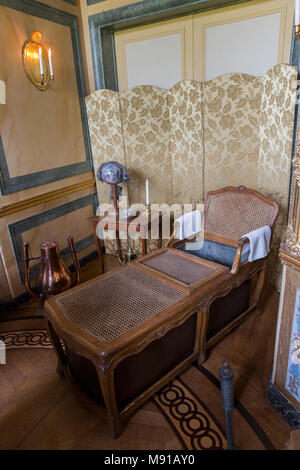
[(112, 173)]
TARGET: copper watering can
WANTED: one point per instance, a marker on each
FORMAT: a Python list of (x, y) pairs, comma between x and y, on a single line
[(53, 277)]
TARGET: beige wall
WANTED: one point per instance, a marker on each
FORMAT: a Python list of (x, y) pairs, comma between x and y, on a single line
[(40, 131), (85, 12), (203, 21), (249, 38)]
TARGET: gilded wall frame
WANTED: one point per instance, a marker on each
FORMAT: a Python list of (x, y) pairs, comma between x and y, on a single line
[(16, 229)]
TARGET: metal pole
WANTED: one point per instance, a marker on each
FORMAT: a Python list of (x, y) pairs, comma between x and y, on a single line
[(226, 376)]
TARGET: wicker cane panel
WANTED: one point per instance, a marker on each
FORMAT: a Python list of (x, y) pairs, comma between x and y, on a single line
[(233, 214), (108, 307), (182, 269)]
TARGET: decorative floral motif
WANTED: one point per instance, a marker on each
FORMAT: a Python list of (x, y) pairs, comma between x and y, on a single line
[(276, 137), (146, 129), (26, 339), (231, 112)]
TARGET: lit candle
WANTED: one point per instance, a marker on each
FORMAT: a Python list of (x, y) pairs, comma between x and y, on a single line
[(41, 61), (147, 193), (50, 62), (2, 92), (297, 12)]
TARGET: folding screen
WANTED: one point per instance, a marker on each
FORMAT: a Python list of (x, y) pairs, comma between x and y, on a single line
[(196, 137)]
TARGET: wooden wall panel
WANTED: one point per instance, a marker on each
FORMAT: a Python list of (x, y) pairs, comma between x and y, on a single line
[(165, 69), (238, 13), (43, 132), (40, 130), (53, 138), (53, 220), (4, 286)]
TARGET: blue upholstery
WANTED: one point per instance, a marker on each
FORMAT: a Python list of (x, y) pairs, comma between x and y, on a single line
[(217, 252)]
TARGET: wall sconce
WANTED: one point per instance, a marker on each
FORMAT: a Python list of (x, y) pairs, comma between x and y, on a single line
[(37, 62), (297, 19)]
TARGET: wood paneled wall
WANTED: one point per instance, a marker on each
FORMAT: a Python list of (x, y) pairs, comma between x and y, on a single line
[(48, 189)]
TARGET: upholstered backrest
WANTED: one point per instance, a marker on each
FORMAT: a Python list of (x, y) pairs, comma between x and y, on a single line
[(234, 211)]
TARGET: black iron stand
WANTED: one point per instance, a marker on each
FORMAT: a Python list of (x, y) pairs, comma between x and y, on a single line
[(226, 376)]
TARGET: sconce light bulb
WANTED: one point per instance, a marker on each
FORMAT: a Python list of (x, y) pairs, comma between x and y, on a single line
[(37, 62), (50, 62)]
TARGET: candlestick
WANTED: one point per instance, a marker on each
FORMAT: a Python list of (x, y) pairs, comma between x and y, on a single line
[(2, 92), (41, 61), (50, 62), (147, 193)]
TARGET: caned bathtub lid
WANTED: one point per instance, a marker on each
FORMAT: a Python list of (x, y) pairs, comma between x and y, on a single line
[(112, 305)]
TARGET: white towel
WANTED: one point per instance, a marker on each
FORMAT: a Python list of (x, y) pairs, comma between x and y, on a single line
[(259, 242), (187, 225)]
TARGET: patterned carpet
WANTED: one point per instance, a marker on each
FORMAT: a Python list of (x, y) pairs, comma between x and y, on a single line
[(197, 422)]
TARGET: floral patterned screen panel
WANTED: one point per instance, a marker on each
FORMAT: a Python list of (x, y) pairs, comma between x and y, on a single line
[(235, 129)]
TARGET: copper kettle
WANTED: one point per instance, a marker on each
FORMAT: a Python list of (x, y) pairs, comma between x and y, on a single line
[(53, 277)]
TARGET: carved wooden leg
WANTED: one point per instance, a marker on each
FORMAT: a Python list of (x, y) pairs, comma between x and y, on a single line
[(259, 287), (99, 248), (203, 317), (59, 369), (105, 378), (201, 357), (115, 427), (55, 341)]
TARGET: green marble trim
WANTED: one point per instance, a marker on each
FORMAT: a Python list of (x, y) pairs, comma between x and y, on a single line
[(10, 185), (93, 2), (72, 2), (103, 25), (16, 229)]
